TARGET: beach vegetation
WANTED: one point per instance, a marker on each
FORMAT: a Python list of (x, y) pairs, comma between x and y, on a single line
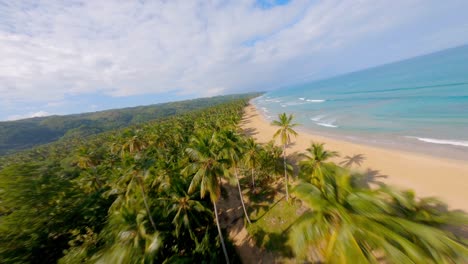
[(315, 164), (284, 133), (347, 224)]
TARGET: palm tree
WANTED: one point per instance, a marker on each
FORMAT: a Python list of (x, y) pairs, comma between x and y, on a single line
[(231, 146), (207, 166), (126, 239), (128, 183), (251, 156), (284, 132), (314, 163), (346, 224), (140, 177), (186, 213), (270, 158), (85, 158), (135, 144)]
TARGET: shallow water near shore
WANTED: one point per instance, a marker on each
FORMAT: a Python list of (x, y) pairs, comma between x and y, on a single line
[(419, 104)]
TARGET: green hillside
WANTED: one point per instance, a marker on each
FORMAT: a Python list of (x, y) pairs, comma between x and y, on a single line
[(26, 133)]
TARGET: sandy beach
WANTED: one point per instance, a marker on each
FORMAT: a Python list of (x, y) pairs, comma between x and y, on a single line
[(429, 176)]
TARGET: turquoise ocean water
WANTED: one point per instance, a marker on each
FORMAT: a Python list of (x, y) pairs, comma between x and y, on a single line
[(419, 102)]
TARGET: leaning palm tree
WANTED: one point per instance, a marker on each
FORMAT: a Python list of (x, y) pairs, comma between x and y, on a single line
[(315, 163), (207, 166), (346, 224), (231, 147), (284, 133), (131, 182)]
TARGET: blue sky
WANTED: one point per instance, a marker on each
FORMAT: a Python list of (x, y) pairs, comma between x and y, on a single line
[(61, 57)]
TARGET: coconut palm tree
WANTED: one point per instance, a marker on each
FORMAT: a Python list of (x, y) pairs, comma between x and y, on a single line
[(126, 238), (285, 132), (85, 158), (207, 166), (135, 143), (314, 164), (186, 213), (346, 224), (131, 182), (232, 148), (251, 156)]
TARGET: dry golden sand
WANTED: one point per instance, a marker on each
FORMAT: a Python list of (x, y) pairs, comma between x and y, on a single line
[(428, 176)]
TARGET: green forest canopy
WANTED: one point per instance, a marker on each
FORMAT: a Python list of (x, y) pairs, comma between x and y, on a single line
[(80, 200), (27, 133)]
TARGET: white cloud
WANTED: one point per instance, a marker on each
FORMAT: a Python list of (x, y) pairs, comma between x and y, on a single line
[(29, 115), (39, 114), (120, 48)]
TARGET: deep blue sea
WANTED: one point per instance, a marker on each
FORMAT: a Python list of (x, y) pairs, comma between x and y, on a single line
[(423, 100)]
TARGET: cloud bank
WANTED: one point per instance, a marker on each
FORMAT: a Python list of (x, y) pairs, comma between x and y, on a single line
[(54, 50)]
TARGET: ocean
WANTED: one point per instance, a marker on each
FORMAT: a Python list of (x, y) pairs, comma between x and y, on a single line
[(419, 104)]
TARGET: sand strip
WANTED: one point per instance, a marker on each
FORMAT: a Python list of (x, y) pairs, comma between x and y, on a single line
[(429, 176)]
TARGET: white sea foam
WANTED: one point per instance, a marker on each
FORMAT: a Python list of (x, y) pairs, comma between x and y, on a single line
[(326, 124), (301, 98), (315, 100), (443, 141), (317, 118), (265, 110), (274, 100), (293, 103)]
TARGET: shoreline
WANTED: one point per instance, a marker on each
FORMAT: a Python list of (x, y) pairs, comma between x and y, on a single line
[(437, 151), (395, 142), (427, 175)]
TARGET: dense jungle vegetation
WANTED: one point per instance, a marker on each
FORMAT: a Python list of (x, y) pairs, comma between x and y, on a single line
[(27, 133), (149, 194), (119, 197)]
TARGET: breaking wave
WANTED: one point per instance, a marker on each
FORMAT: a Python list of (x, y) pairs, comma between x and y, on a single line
[(443, 141)]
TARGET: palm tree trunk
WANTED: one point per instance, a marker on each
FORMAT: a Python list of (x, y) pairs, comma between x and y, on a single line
[(285, 172), (253, 178), (220, 234), (240, 195), (146, 204)]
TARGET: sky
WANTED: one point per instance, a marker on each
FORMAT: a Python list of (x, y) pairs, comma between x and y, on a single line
[(62, 57)]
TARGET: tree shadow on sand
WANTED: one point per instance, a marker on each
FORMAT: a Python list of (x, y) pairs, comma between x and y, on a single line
[(249, 131), (356, 159), (370, 176)]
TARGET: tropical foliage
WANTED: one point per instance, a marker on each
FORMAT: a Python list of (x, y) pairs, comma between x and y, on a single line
[(348, 223), (124, 196)]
